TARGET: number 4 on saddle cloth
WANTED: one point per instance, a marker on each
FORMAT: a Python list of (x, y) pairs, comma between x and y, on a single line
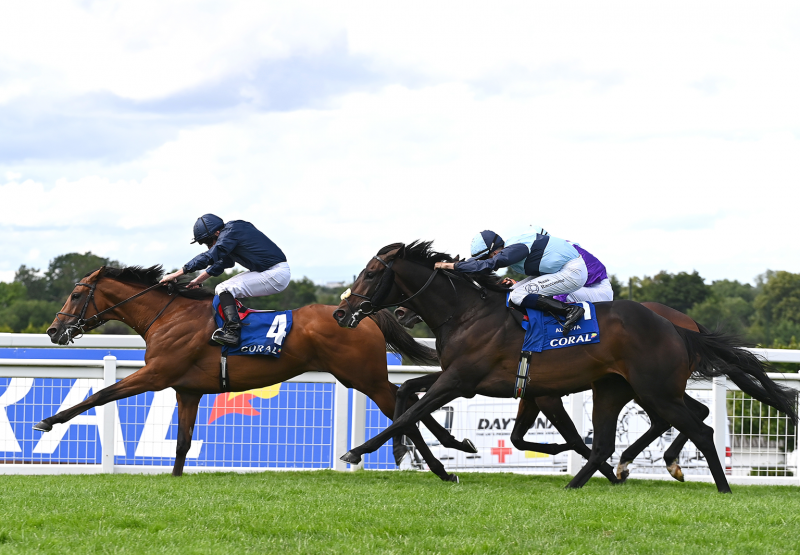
[(543, 331), (263, 331)]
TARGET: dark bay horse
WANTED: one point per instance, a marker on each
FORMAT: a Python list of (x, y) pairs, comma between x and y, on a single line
[(553, 409), (176, 324), (479, 342)]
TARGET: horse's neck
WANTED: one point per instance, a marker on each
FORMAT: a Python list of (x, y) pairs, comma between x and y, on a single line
[(449, 308), (137, 313)]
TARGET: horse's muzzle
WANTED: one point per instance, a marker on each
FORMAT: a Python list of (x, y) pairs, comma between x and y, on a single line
[(345, 321), (59, 338)]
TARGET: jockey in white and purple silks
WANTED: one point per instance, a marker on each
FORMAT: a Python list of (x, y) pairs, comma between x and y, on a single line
[(597, 287), (554, 267)]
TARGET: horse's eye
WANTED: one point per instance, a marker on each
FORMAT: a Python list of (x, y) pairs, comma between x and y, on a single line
[(76, 296), (370, 275)]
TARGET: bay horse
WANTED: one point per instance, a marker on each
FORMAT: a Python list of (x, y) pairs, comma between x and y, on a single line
[(554, 411), (479, 342), (176, 323)]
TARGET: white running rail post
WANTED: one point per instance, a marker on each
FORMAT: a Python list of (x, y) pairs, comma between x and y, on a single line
[(719, 415), (358, 436), (107, 416), (575, 461), (340, 414)]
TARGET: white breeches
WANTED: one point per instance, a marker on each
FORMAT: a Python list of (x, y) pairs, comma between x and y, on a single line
[(571, 277), (596, 293), (257, 284)]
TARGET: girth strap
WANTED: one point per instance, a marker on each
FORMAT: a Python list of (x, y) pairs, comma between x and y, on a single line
[(522, 374), (224, 380)]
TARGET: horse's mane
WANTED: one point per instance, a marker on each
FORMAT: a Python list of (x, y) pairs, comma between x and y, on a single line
[(422, 252), (151, 276)]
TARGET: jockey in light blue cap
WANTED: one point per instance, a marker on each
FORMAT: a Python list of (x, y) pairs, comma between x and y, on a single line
[(553, 266)]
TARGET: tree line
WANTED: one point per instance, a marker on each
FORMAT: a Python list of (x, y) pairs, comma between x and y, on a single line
[(767, 313), (30, 302)]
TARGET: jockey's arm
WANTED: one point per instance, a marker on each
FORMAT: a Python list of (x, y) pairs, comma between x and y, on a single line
[(172, 277), (198, 280), (506, 257)]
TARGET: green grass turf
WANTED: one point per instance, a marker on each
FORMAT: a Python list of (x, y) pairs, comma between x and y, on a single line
[(388, 512)]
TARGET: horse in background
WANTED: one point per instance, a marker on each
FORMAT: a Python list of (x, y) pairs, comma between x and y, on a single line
[(554, 411)]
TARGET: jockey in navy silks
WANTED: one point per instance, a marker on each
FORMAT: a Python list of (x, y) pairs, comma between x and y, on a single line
[(228, 243), (554, 267)]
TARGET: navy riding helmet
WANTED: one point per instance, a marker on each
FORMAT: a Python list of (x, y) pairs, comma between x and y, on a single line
[(206, 226)]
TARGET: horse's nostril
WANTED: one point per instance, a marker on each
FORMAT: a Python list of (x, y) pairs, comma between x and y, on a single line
[(338, 315), (400, 313), (51, 331)]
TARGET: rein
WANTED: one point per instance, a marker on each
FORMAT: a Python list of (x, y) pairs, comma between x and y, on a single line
[(387, 279), (79, 327)]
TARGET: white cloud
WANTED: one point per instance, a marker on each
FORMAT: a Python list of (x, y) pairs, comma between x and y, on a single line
[(657, 140)]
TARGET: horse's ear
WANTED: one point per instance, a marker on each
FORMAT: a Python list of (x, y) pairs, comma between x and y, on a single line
[(457, 258)]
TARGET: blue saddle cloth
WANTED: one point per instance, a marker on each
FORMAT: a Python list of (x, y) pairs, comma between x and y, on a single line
[(543, 331), (263, 331)]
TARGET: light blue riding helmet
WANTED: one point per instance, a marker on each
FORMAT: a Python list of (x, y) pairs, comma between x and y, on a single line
[(485, 242)]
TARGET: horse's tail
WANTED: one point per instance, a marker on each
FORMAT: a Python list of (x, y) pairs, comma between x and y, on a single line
[(399, 341), (718, 354)]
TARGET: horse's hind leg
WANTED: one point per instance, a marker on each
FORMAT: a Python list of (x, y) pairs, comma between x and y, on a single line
[(607, 405), (553, 409), (676, 412), (139, 382), (659, 426), (527, 412), (673, 452), (187, 414)]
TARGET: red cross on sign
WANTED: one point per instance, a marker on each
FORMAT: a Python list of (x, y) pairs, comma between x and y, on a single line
[(501, 450)]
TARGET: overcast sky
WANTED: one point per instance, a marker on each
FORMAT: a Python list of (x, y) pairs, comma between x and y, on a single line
[(661, 136)]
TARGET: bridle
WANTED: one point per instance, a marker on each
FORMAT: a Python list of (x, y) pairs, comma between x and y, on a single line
[(78, 328), (385, 285)]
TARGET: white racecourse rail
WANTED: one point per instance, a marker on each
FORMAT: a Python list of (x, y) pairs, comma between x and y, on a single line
[(311, 420)]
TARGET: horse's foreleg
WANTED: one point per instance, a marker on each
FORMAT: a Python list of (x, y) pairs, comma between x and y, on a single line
[(187, 414), (385, 400), (443, 391), (139, 382), (406, 390)]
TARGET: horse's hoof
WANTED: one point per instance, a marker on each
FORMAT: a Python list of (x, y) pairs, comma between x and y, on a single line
[(622, 471), (675, 471), (470, 447), (399, 452), (351, 458), (43, 426), (623, 478), (452, 478)]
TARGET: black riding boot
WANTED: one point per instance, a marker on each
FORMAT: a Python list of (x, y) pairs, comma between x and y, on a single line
[(228, 334), (571, 312)]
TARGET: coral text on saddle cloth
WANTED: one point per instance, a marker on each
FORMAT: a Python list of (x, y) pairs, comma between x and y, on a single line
[(543, 331), (263, 331)]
